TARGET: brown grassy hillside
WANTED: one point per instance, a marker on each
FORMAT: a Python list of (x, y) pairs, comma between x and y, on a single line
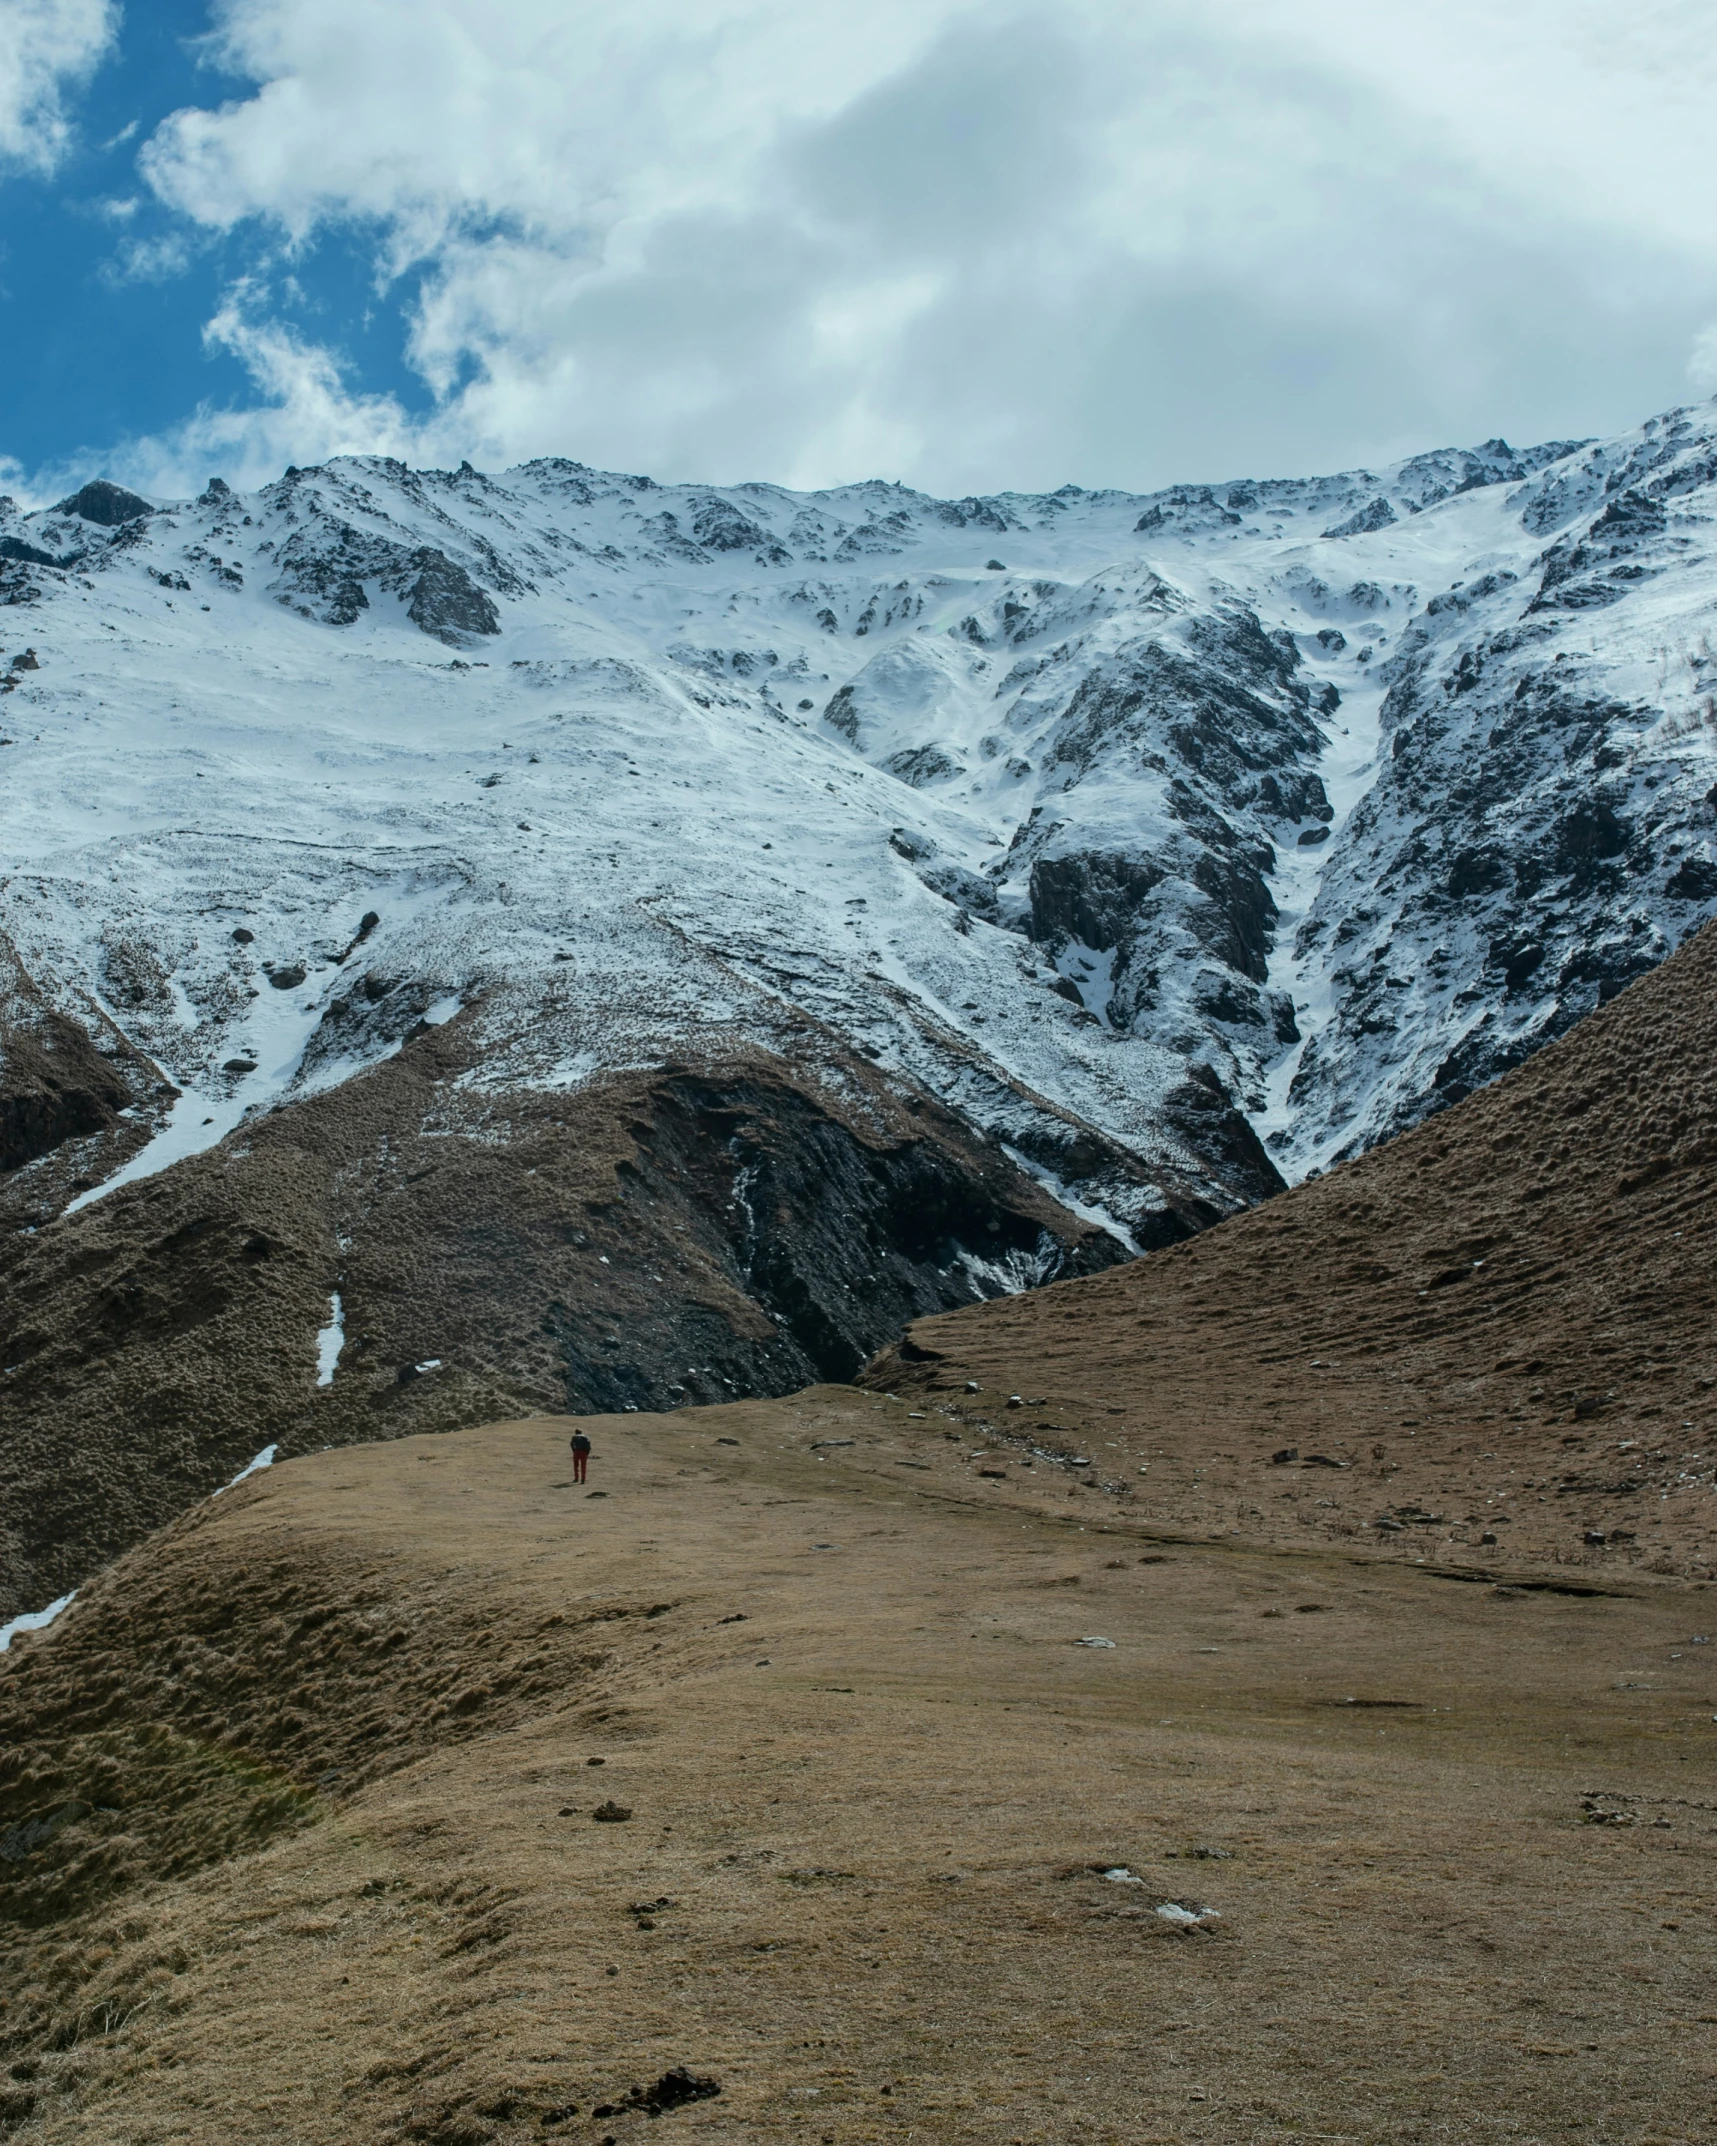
[(1502, 1324), (298, 1832)]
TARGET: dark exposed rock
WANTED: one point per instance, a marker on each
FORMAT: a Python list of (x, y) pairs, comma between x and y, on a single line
[(840, 1240), (54, 1086), (840, 714), (967, 890), (106, 504), (673, 2090), (1295, 794), (1596, 569), (444, 601), (1377, 514), (973, 513), (1201, 1109), (1186, 506), (1478, 871), (26, 554), (1694, 880), (1092, 896), (1587, 835), (923, 764), (325, 564), (1519, 961), (1237, 922), (718, 525)]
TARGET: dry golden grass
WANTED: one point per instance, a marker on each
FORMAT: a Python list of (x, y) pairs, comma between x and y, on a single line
[(870, 1769), (1487, 1342)]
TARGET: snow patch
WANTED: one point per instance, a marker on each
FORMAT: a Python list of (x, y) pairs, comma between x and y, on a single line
[(265, 1459), (330, 1341), (35, 1620), (1091, 972), (1012, 1273), (272, 1042)]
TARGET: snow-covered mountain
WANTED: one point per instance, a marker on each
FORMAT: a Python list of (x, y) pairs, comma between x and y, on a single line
[(477, 943), (1319, 799)]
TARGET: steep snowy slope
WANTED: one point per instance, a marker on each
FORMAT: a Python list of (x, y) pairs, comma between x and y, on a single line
[(1539, 829), (616, 827), (692, 757)]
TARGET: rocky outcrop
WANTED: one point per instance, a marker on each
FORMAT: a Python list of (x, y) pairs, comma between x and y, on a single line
[(326, 575), (443, 600), (106, 504), (27, 554), (54, 1086), (1377, 514), (1093, 896), (75, 1096)]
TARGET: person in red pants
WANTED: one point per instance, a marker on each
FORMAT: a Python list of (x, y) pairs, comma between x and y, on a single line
[(580, 1456)]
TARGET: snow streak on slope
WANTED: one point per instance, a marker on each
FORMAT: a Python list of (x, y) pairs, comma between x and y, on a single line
[(1082, 808)]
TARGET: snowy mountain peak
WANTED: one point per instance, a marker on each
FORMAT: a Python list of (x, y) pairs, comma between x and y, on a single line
[(1135, 828)]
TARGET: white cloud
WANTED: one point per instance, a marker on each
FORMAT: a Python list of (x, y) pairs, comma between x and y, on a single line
[(149, 260), (1119, 240), (46, 48), (1702, 365)]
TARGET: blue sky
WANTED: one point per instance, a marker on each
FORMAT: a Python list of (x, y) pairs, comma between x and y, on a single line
[(101, 346), (1112, 241)]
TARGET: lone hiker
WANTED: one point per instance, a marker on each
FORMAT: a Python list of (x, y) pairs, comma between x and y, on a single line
[(580, 1456)]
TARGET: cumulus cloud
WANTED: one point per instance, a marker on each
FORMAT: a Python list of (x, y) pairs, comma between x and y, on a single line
[(47, 48), (1115, 240)]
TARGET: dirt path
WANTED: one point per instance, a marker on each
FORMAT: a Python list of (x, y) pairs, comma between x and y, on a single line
[(332, 1871)]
